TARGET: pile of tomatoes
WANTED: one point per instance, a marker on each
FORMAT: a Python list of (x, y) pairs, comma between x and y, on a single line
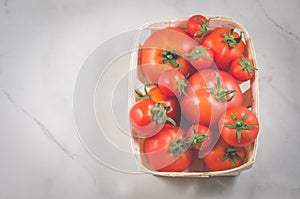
[(192, 102)]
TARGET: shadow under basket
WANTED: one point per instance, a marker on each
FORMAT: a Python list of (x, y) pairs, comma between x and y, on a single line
[(250, 96)]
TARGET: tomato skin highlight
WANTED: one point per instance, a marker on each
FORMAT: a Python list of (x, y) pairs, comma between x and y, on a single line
[(157, 152), (216, 160), (224, 54), (200, 105), (140, 116), (230, 136), (166, 40)]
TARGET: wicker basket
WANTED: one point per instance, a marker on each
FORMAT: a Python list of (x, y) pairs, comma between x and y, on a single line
[(250, 94)]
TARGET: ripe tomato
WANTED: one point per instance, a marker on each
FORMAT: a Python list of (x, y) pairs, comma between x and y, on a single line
[(200, 138), (209, 94), (171, 82), (239, 126), (197, 26), (148, 117), (157, 95), (200, 57), (242, 69), (224, 156), (162, 51), (225, 44), (165, 153)]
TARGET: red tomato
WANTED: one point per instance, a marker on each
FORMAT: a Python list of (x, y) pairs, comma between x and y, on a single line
[(200, 57), (224, 156), (171, 82), (209, 94), (197, 26), (162, 51), (158, 96), (226, 46), (164, 152), (200, 138), (239, 126), (242, 69), (148, 117)]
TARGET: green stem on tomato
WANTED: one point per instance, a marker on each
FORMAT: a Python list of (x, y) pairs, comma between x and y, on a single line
[(231, 40), (197, 53), (220, 93), (247, 65), (141, 96), (239, 125), (196, 139), (160, 113), (204, 30), (181, 85), (170, 57), (231, 153)]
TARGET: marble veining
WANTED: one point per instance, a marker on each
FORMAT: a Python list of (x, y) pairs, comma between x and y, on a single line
[(279, 27), (46, 160), (42, 126)]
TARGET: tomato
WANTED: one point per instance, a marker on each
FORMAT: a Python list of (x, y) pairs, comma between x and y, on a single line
[(225, 44), (197, 26), (162, 51), (171, 82), (224, 156), (200, 57), (164, 152), (242, 69), (148, 117), (239, 126), (157, 95), (200, 138), (209, 94)]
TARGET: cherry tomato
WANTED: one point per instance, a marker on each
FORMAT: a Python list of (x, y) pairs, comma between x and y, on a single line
[(162, 51), (148, 117), (239, 126), (226, 45), (171, 82), (165, 153), (157, 95), (197, 26), (200, 57), (209, 94), (200, 138), (224, 156), (242, 69)]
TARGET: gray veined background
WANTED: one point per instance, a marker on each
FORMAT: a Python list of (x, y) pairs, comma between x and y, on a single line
[(43, 44)]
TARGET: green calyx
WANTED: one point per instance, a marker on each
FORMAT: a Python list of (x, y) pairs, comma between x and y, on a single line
[(181, 85), (204, 30), (239, 125), (141, 96), (231, 40), (170, 57), (196, 139), (160, 113), (220, 93), (197, 53), (177, 147), (231, 153), (247, 66)]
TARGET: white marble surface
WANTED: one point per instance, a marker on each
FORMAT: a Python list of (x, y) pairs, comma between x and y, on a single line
[(43, 44)]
